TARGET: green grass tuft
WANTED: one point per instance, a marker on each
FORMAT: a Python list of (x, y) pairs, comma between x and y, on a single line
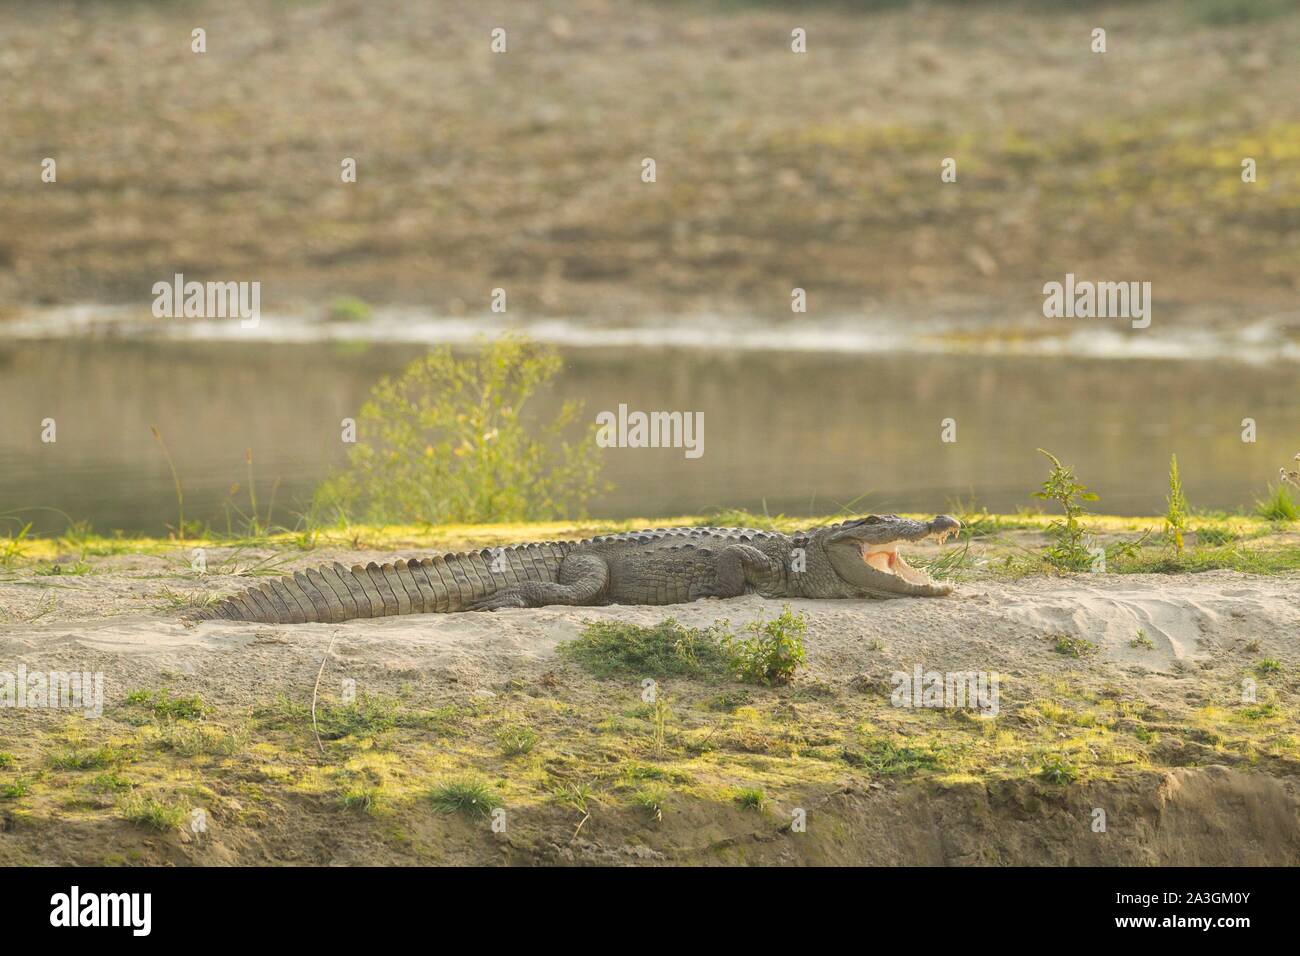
[(473, 798), (1278, 505), (152, 813), (516, 741), (99, 758), (163, 706), (666, 649), (651, 799)]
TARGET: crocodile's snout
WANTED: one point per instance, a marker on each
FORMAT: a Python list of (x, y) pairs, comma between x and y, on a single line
[(944, 527)]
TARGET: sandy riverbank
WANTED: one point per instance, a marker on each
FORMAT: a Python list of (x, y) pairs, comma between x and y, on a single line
[(1147, 722)]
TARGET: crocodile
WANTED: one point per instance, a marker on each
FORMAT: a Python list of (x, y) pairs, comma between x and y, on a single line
[(851, 559)]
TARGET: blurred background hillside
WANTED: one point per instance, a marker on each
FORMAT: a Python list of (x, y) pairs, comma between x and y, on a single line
[(775, 170)]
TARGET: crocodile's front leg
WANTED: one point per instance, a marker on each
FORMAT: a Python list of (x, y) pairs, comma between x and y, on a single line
[(581, 580), (740, 565)]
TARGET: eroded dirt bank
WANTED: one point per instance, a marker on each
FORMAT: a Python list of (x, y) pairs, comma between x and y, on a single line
[(1123, 694)]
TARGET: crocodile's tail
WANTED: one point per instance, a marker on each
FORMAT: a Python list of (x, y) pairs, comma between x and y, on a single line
[(442, 584)]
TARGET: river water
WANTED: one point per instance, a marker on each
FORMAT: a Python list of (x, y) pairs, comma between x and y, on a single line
[(799, 432)]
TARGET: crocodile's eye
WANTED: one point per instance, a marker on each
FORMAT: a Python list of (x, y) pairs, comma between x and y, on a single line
[(873, 519)]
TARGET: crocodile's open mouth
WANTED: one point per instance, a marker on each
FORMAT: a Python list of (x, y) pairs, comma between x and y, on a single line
[(864, 554), (887, 560)]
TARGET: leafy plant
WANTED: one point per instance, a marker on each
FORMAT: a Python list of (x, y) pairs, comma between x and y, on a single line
[(1067, 550), (447, 441), (1142, 640), (11, 546), (1176, 508), (1073, 646), (1057, 769), (773, 651), (14, 789)]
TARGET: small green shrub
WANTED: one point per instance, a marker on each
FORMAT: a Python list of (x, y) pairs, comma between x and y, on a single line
[(446, 441), (773, 651), (751, 798), (1267, 666), (1073, 646), (1067, 550), (1057, 769)]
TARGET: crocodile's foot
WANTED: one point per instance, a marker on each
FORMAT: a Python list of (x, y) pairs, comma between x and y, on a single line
[(501, 599)]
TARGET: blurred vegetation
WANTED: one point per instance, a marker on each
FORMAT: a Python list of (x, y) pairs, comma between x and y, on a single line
[(774, 171), (447, 440)]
